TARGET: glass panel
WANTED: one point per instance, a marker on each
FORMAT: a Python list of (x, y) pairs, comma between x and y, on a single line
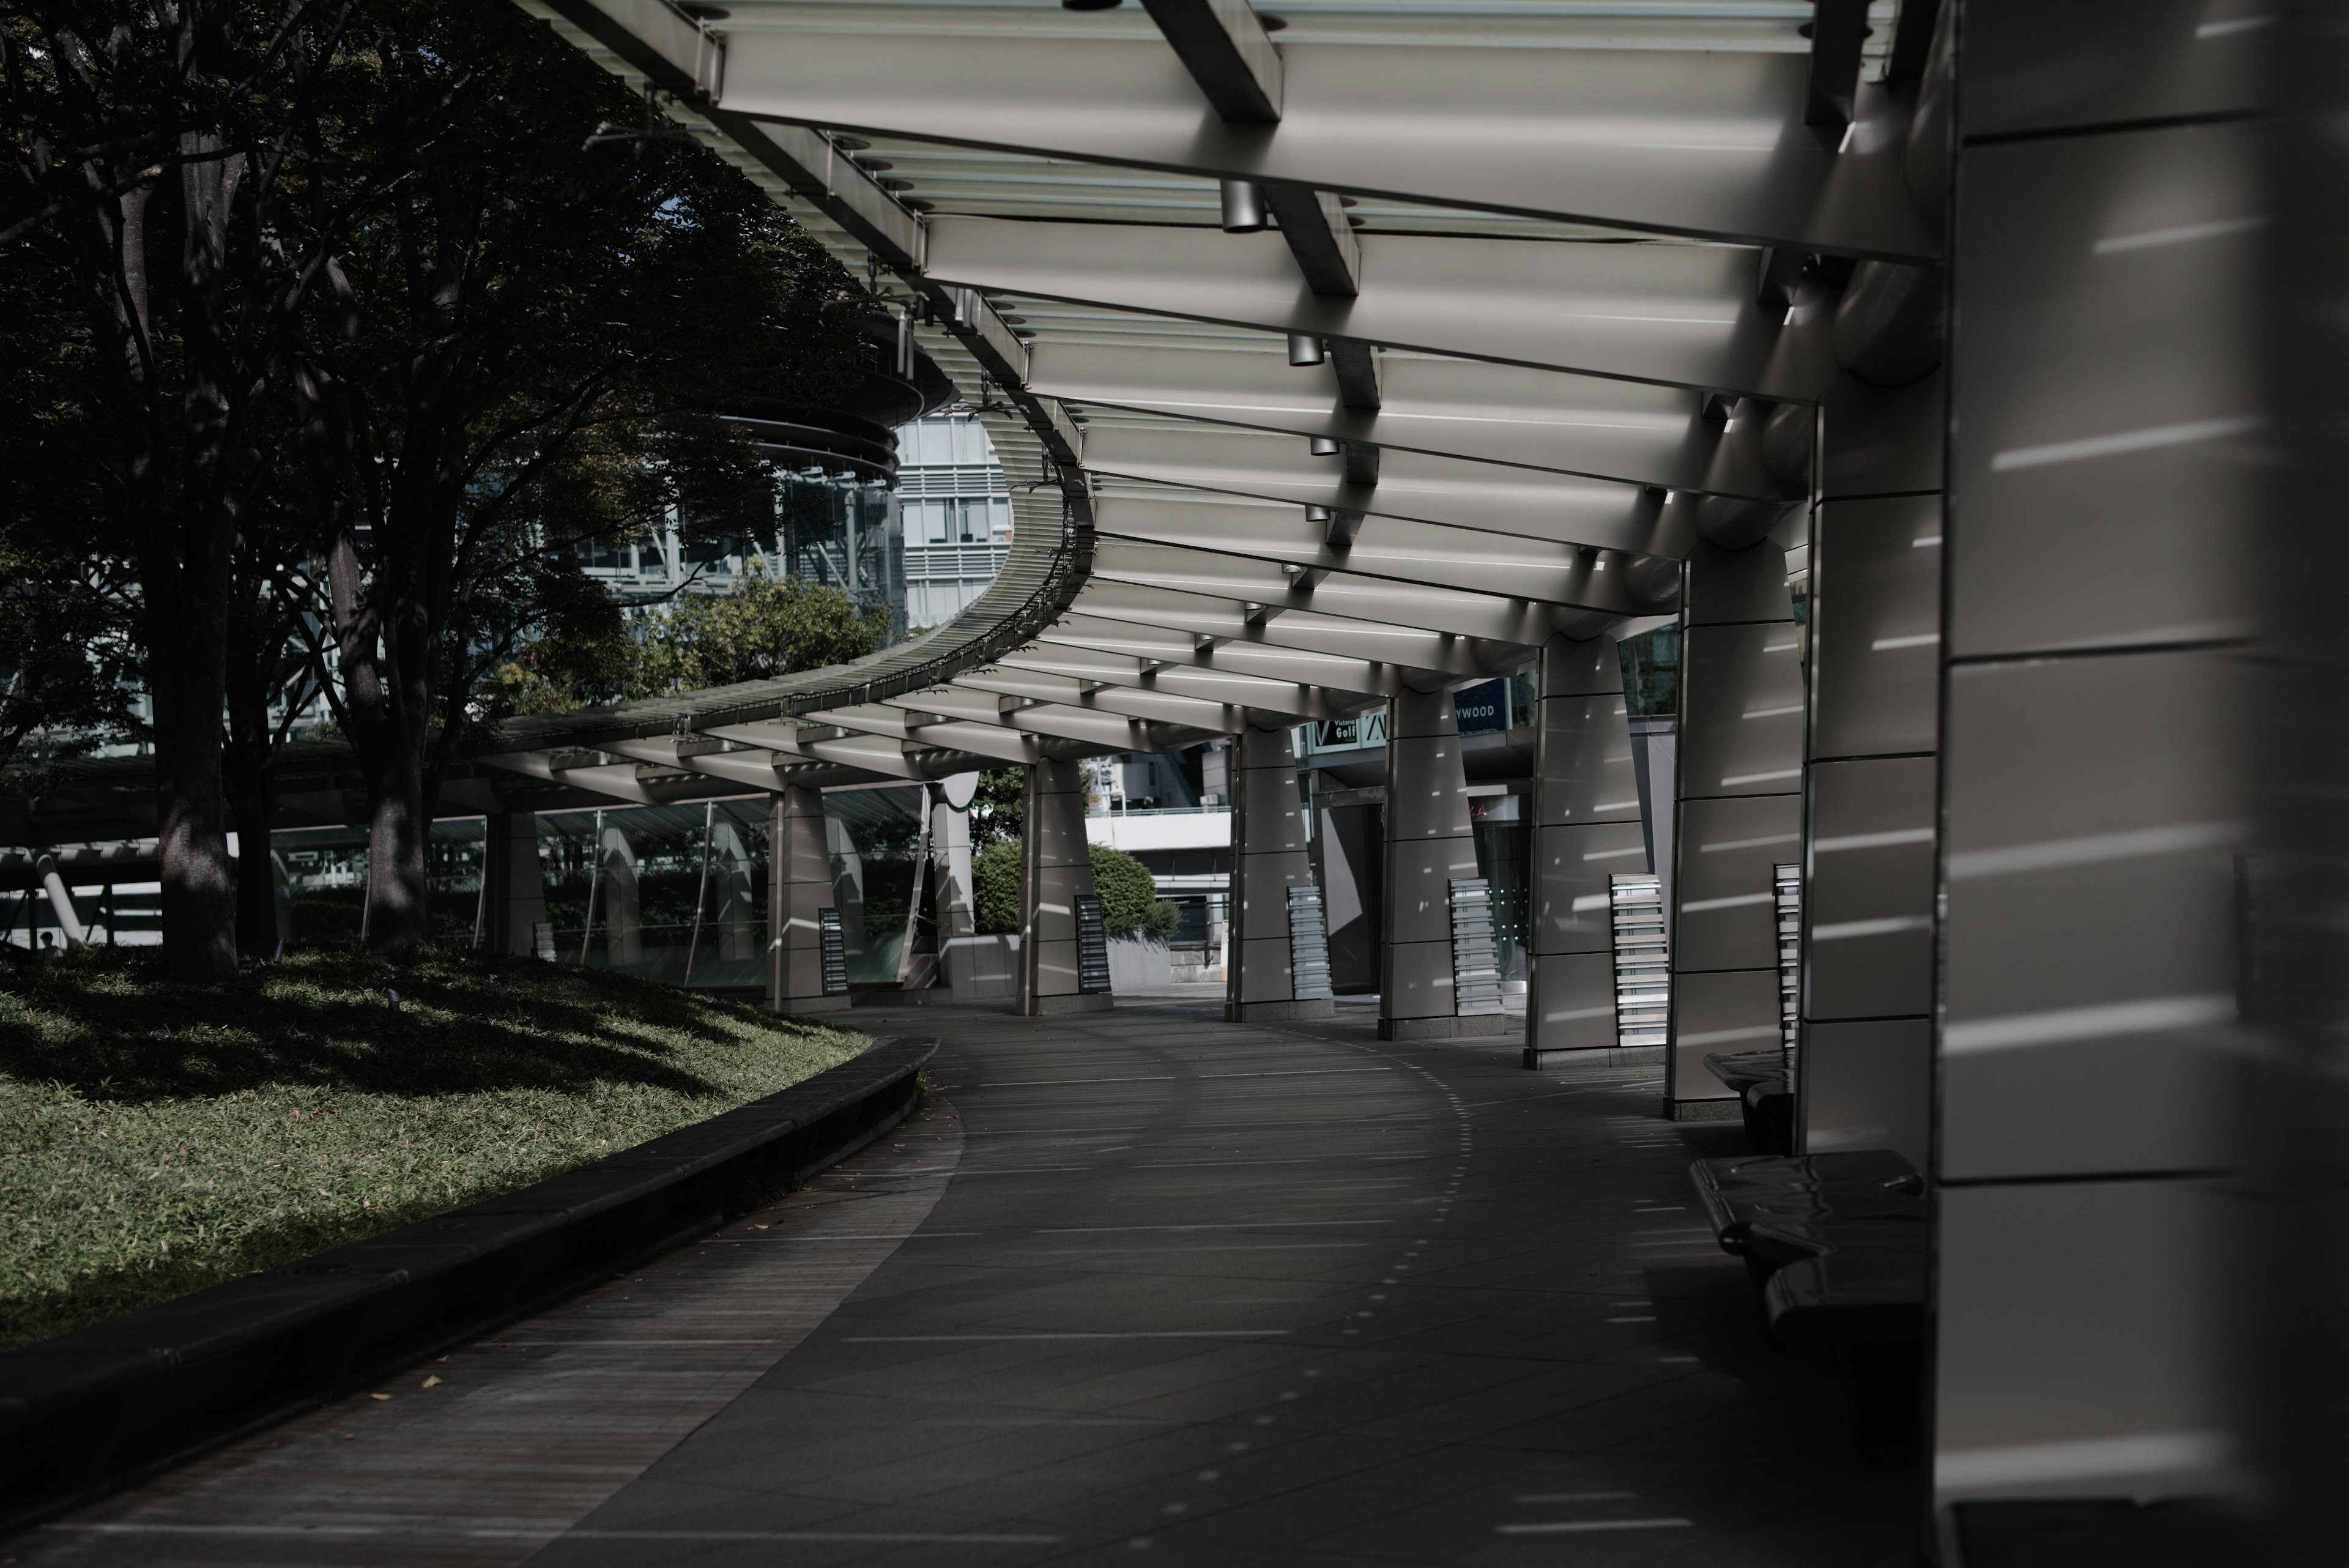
[(873, 836)]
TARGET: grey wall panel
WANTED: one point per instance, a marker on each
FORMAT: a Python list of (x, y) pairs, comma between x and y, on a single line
[(1733, 1011), (1880, 440), (1415, 979), (1585, 762), (1870, 1086), (2048, 65), (2105, 412), (1571, 865), (1725, 587), (1741, 709), (1571, 1000), (1265, 975), (2085, 1335), (2093, 811), (1868, 896), (1419, 887), (1729, 852), (1876, 625)]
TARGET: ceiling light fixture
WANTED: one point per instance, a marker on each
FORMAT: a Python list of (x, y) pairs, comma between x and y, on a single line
[(1243, 207)]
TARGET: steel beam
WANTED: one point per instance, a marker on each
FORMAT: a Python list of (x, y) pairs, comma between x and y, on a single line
[(1227, 53), (1417, 654), (1385, 550), (1682, 316), (1484, 413), (1445, 492), (1223, 688), (1706, 144), (1360, 680)]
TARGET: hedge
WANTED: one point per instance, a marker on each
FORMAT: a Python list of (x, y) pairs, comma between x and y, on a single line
[(1129, 895)]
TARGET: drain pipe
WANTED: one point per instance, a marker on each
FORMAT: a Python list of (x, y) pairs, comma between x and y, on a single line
[(62, 902)]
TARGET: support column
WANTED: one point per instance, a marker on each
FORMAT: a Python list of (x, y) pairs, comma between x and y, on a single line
[(799, 890), (2107, 471), (1741, 811), (1269, 856), (1428, 843), (1056, 868), (1865, 1070), (951, 871), (1587, 826), (515, 895)]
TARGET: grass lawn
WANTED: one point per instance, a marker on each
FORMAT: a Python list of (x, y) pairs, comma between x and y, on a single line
[(157, 1137)]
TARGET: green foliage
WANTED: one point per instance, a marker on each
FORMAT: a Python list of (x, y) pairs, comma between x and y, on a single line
[(164, 1137), (995, 887), (587, 652), (998, 807), (1130, 902), (771, 627)]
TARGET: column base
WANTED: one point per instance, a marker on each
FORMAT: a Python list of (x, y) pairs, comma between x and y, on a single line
[(1279, 1012), (1072, 1002), (1726, 1109), (1477, 1026), (1596, 1057), (828, 1002)]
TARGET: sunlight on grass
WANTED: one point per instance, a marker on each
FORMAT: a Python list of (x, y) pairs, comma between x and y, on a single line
[(162, 1137)]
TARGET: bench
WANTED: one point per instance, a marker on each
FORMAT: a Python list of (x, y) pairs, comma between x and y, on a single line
[(1838, 1246), (1765, 1091)]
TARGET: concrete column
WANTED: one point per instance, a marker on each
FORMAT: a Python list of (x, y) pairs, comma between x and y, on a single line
[(1269, 856), (1740, 809), (516, 891), (2106, 477), (1587, 826), (1865, 1078), (799, 888), (620, 906), (1429, 842), (950, 873), (1056, 868)]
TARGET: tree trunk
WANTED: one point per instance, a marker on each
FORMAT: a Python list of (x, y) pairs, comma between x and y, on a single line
[(186, 677), (398, 893), (252, 770)]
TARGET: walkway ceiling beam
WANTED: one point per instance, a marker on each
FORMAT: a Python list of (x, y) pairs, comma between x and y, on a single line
[(1384, 550), (1100, 728), (1704, 144), (1505, 415), (1419, 656), (1223, 688), (1227, 53), (1152, 707), (1675, 314), (1444, 491), (1370, 681)]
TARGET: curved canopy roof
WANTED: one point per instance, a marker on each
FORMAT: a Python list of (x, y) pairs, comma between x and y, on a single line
[(1367, 345)]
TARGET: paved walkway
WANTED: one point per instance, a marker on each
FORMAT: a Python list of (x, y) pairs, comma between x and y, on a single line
[(1169, 1288)]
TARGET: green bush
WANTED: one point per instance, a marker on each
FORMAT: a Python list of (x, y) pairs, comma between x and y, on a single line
[(995, 887), (1129, 896)]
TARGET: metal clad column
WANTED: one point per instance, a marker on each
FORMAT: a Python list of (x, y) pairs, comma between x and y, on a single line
[(1429, 842), (799, 888), (1740, 809), (1587, 826), (1056, 868), (2104, 489), (1269, 856), (1866, 1076), (517, 883)]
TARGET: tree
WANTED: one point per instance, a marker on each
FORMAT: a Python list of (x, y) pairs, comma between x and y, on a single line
[(528, 351), (168, 167), (769, 627), (998, 807)]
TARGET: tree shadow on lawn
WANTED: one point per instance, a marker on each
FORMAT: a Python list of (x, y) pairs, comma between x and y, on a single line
[(109, 1025)]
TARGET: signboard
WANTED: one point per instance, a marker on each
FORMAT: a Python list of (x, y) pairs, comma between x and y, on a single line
[(1482, 708)]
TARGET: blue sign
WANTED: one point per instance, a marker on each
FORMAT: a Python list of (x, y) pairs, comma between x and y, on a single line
[(1481, 709)]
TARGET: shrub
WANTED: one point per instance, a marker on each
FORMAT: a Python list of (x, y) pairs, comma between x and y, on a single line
[(995, 887), (1129, 895)]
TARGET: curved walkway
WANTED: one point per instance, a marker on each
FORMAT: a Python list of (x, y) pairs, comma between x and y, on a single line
[(1220, 1295)]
